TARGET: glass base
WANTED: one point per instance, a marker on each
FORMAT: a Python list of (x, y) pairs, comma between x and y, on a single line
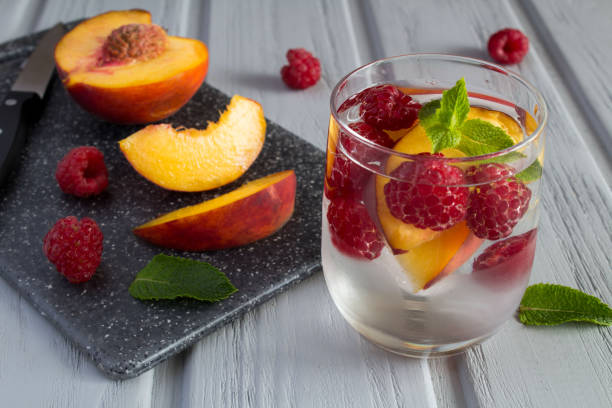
[(409, 349)]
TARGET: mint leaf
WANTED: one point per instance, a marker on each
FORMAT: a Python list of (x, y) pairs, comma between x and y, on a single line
[(168, 277), (442, 118), (480, 137), (454, 106), (547, 304), (446, 126), (427, 114), (442, 137), (531, 173)]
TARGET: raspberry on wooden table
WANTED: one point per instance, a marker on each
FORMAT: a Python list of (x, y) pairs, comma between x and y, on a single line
[(82, 172), (303, 71), (495, 208), (430, 195), (508, 46), (352, 230), (74, 247)]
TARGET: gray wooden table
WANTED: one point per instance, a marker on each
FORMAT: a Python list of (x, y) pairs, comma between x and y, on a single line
[(296, 350)]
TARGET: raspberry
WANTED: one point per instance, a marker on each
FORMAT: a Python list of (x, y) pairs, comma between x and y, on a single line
[(352, 230), (82, 172), (372, 134), (508, 46), (303, 71), (506, 261), (431, 195), (347, 176), (386, 107), (495, 208), (74, 247)]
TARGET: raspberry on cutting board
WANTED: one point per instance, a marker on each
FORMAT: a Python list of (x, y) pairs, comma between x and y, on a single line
[(82, 172), (74, 247), (303, 71)]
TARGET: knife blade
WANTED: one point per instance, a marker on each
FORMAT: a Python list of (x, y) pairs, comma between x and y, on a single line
[(24, 101)]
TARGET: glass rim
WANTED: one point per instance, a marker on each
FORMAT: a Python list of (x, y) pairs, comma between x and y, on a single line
[(541, 103)]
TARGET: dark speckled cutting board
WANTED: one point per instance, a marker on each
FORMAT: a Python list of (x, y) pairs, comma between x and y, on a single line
[(122, 335)]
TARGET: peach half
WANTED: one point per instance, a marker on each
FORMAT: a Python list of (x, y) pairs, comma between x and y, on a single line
[(198, 160), (249, 213), (124, 69)]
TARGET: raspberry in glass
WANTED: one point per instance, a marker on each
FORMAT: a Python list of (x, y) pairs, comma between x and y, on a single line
[(352, 230), (430, 194), (496, 207), (506, 261), (386, 107), (348, 177)]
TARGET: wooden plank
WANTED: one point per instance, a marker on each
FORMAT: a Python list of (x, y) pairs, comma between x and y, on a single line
[(296, 350), (584, 61), (522, 366)]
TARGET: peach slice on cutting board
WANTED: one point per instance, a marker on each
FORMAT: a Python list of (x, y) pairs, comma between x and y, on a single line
[(249, 213), (198, 160), (124, 69)]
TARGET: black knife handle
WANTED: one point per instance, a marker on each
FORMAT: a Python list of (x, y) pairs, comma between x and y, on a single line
[(15, 111)]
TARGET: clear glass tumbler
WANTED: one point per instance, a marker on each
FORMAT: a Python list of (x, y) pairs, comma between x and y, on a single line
[(414, 286)]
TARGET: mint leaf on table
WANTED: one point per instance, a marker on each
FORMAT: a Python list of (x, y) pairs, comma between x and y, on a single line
[(169, 277), (531, 173), (446, 125), (548, 304)]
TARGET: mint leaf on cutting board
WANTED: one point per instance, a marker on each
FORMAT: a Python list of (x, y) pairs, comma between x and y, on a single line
[(169, 277), (548, 304)]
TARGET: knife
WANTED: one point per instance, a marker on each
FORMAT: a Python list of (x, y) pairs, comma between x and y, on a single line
[(24, 102)]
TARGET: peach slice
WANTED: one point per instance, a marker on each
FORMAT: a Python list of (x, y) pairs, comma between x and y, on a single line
[(122, 68), (198, 160), (249, 213), (432, 260)]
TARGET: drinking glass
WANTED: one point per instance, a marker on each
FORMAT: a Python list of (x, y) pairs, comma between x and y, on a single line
[(418, 291)]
